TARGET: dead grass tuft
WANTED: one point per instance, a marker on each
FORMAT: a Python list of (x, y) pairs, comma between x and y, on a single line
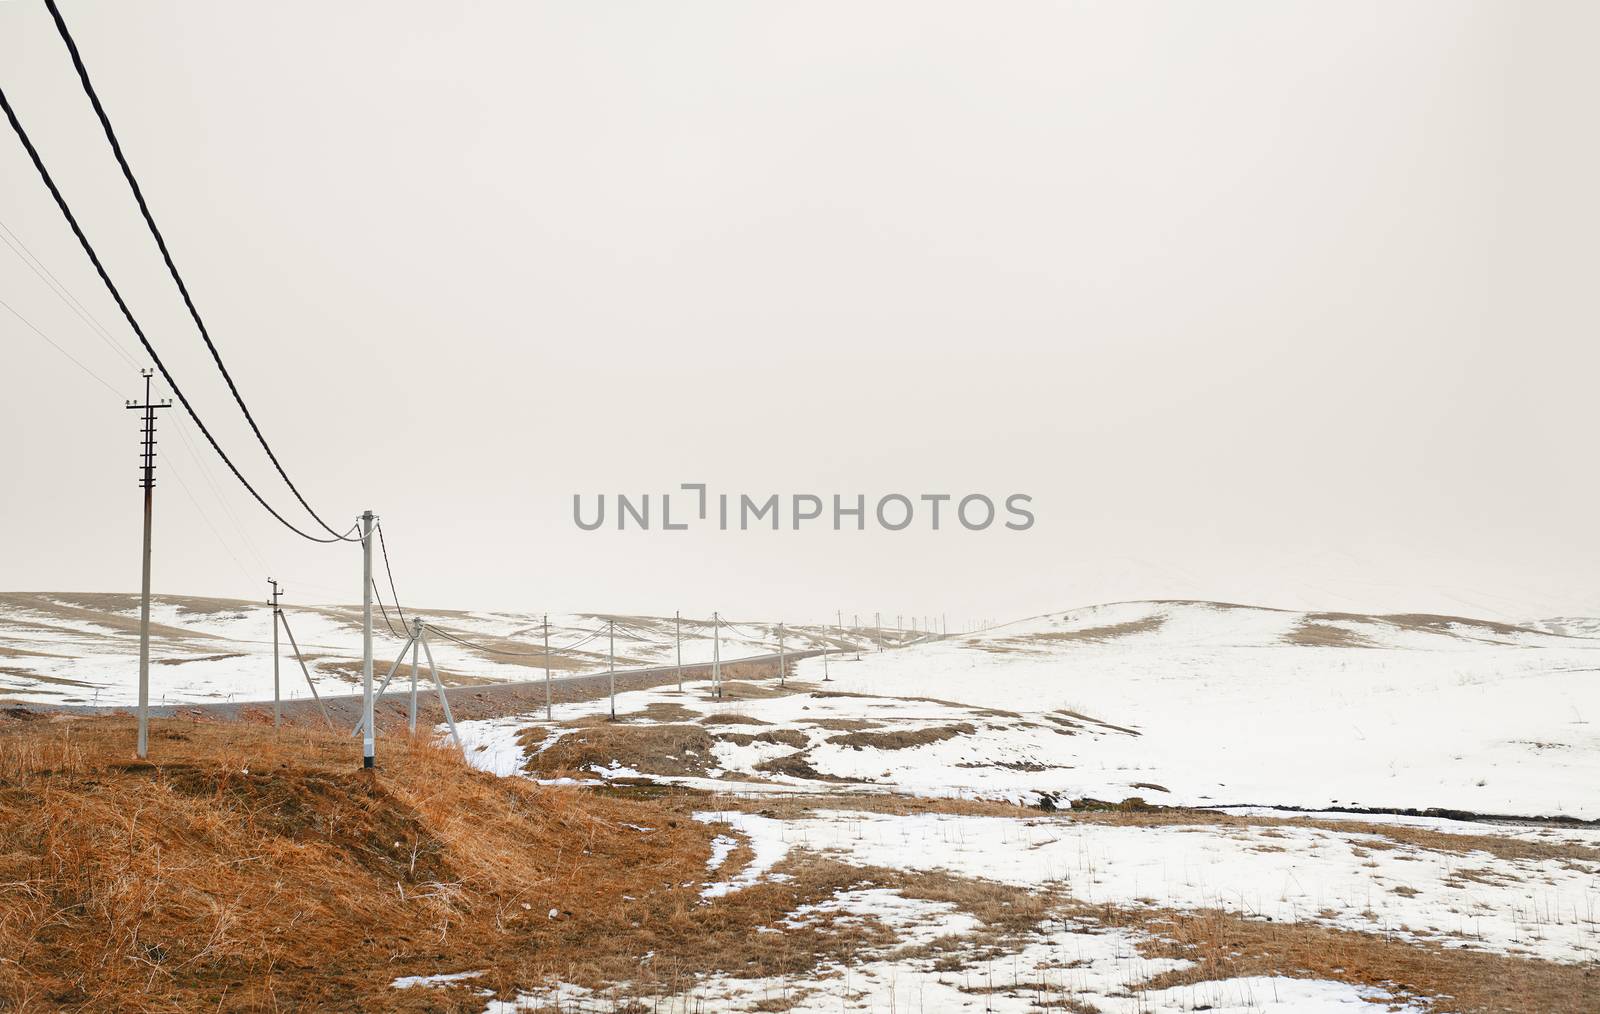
[(1324, 635), (655, 749), (902, 739)]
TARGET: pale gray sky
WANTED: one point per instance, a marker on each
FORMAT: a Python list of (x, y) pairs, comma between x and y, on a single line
[(1279, 302)]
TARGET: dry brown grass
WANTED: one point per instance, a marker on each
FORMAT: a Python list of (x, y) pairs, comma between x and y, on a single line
[(846, 724), (1324, 635), (902, 739), (782, 737), (655, 749), (254, 869), (730, 718), (1458, 981), (1109, 632), (1133, 813), (257, 870)]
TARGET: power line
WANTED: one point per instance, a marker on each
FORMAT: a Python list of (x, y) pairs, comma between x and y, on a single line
[(171, 465), (385, 612), (501, 651), (211, 482), (94, 258), (392, 592), (52, 342), (38, 267), (166, 255)]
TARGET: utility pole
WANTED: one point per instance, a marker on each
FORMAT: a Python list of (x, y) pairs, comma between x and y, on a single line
[(716, 652), (142, 749), (547, 707), (677, 635), (825, 677), (273, 602), (416, 639), (612, 626), (877, 629), (780, 655), (369, 745)]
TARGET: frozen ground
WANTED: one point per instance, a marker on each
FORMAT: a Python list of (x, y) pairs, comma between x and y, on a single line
[(62, 648), (1181, 704), (1243, 710), (1286, 871), (1246, 705)]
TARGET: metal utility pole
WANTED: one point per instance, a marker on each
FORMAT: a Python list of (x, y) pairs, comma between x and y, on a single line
[(612, 624), (780, 655), (273, 602), (148, 481), (677, 635), (825, 677), (416, 637), (547, 706), (369, 745), (716, 653)]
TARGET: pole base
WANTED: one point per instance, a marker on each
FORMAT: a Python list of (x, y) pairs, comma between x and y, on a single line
[(369, 762)]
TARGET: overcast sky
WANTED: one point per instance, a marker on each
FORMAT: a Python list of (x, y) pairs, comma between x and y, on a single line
[(1287, 303)]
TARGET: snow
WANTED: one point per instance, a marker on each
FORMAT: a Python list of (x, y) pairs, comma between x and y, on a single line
[(490, 744), (1349, 880), (1180, 703), (73, 649), (766, 839), (1075, 961), (409, 981), (1229, 713)]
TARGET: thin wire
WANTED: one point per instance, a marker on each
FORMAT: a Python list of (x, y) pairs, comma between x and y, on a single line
[(38, 267), (166, 255), (205, 473), (170, 465), (52, 342), (173, 468), (94, 258), (501, 651)]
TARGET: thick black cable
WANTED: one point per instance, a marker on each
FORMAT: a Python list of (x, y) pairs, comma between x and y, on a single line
[(379, 597), (94, 258), (395, 595), (166, 255)]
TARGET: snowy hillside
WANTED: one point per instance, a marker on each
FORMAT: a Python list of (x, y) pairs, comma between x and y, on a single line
[(64, 648), (1246, 705)]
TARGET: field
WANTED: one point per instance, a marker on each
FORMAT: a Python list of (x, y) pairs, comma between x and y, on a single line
[(1140, 807)]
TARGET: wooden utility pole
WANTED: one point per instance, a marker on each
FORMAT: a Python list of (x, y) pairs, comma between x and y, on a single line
[(149, 408)]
